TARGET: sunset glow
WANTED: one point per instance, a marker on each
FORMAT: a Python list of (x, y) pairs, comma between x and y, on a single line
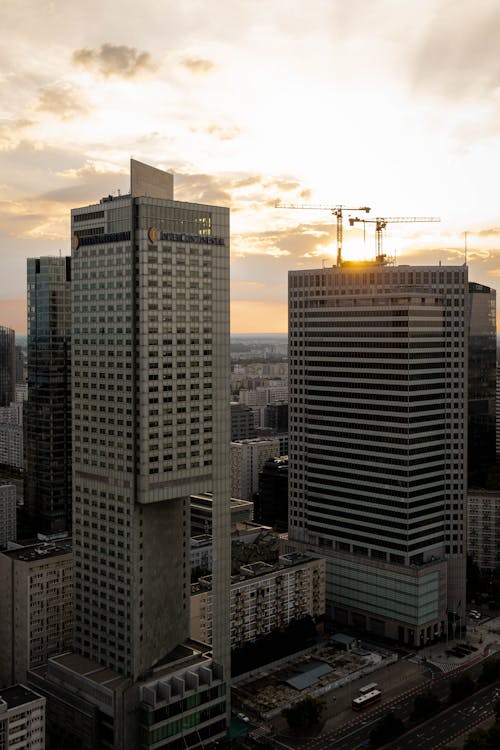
[(250, 105)]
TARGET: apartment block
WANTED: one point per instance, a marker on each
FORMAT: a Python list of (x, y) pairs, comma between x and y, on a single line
[(483, 525), (263, 598), (37, 606), (22, 719)]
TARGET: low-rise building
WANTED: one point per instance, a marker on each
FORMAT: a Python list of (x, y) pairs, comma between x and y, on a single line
[(180, 703), (263, 598), (202, 507), (22, 719), (483, 523), (36, 583)]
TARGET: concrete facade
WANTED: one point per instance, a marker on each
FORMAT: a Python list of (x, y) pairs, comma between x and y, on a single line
[(247, 458), (483, 526), (36, 595), (22, 719), (150, 375), (263, 598)]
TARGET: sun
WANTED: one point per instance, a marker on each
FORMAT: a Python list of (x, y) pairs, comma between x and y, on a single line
[(351, 250)]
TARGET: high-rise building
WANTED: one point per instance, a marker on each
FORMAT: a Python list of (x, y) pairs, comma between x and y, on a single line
[(482, 383), (7, 366), (377, 459), (47, 412), (150, 376)]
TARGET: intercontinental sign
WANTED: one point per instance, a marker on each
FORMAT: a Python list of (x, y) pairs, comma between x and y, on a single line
[(154, 235)]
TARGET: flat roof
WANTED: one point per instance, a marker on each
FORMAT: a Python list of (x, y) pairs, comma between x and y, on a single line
[(41, 550), (309, 675), (18, 695)]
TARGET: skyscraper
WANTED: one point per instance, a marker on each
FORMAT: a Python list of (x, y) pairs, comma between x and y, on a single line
[(482, 382), (7, 366), (150, 370), (47, 412), (377, 460)]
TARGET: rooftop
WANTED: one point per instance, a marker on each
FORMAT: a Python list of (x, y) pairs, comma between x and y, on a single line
[(18, 695), (41, 550)]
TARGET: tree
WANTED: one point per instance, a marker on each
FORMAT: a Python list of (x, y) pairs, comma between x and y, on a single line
[(476, 740), (305, 714), (461, 688), (426, 704), (389, 728), (490, 672)]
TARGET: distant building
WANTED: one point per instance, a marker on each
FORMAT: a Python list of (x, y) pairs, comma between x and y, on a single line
[(262, 396), (202, 511), (242, 422), (22, 719), (7, 366), (276, 416), (483, 523), (201, 551), (11, 445), (7, 514), (271, 501), (246, 460), (20, 365), (263, 598), (37, 606)]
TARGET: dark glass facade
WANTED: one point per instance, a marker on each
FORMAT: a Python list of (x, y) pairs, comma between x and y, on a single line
[(48, 409), (7, 366), (271, 502), (482, 383)]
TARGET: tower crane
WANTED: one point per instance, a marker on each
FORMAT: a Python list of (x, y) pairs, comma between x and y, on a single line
[(381, 224), (336, 211)]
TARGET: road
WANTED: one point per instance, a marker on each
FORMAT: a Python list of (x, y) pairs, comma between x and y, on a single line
[(459, 719)]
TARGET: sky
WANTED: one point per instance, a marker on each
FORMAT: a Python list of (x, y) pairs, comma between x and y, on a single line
[(390, 104)]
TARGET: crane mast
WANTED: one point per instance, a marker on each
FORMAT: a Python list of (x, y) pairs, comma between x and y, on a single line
[(337, 211)]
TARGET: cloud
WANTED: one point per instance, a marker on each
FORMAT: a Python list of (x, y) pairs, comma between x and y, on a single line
[(197, 65), (201, 188), (115, 60), (220, 132), (458, 56), (10, 132), (62, 100)]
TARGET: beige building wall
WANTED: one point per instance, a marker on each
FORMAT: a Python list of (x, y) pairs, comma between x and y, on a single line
[(483, 522), (264, 598), (246, 460), (37, 608)]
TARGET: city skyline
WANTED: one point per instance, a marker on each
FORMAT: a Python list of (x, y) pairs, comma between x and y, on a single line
[(322, 104)]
